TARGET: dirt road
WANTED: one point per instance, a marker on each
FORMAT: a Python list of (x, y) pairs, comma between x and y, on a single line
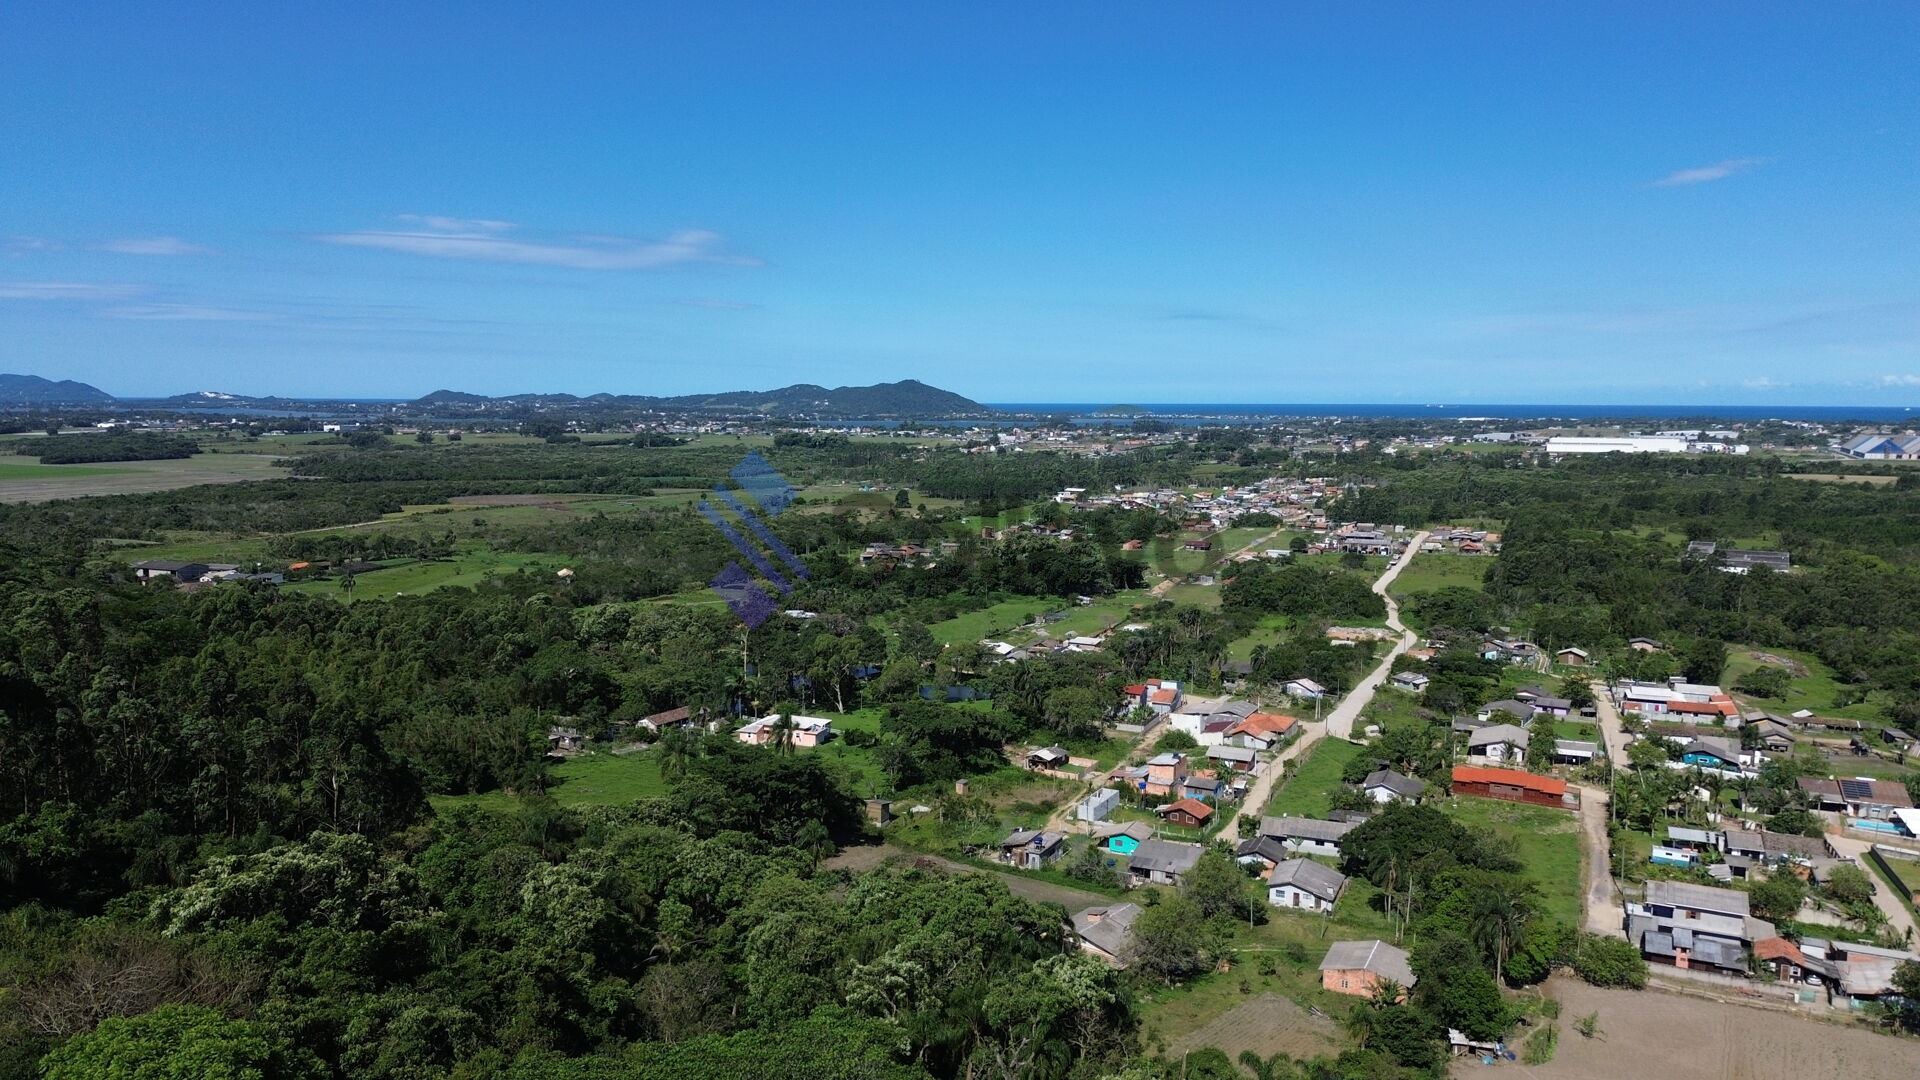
[(1604, 914), (1897, 914), (858, 859), (1340, 721), (1613, 736), (1166, 585), (1262, 788)]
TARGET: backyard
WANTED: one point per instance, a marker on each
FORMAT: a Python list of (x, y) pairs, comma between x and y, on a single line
[(1308, 792)]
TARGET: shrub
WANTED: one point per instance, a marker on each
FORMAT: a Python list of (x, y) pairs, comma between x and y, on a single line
[(1607, 961)]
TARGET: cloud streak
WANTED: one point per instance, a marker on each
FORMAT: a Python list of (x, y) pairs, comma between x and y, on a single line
[(67, 290), (186, 313), (152, 245), (1706, 173), (489, 241)]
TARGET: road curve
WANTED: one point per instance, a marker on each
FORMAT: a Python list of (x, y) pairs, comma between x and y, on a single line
[(1340, 720)]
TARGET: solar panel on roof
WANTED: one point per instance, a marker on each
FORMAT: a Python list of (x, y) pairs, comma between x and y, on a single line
[(1856, 789)]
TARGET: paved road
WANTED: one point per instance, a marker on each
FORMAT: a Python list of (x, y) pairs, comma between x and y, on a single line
[(1340, 720), (1897, 914)]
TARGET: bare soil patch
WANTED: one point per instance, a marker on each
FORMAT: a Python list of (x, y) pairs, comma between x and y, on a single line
[(1266, 1025), (1794, 667), (1676, 1037)]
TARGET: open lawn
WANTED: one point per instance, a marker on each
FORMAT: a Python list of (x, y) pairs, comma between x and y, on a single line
[(598, 779), (1439, 570), (1267, 632), (995, 619), (1813, 686), (27, 481), (472, 566), (1544, 840), (1306, 793), (1206, 596)]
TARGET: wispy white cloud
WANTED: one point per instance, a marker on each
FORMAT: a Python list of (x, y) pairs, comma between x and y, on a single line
[(1704, 173), (186, 313), (1764, 382), (22, 245), (1900, 380), (488, 241), (715, 303), (152, 245), (67, 290)]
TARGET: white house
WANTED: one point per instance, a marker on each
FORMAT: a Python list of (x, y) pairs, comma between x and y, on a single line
[(1386, 785), (1305, 885), (806, 730), (1498, 742), (1307, 836), (1305, 688)]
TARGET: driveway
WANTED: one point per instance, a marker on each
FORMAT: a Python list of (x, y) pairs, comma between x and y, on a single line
[(1898, 916)]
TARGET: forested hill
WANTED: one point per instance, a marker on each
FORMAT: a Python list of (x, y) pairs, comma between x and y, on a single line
[(908, 398), (34, 390)]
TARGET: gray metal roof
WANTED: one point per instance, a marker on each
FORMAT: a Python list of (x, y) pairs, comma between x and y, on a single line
[(1375, 956), (1166, 856), (1305, 828), (1308, 876), (1698, 897), (1409, 786), (1106, 928), (1500, 733)]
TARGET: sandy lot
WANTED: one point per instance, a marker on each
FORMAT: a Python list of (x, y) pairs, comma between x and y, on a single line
[(1674, 1037), (1267, 1025)]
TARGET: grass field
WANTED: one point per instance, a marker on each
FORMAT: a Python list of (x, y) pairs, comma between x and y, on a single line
[(1306, 793), (24, 481), (601, 779), (1814, 690), (1206, 596), (1269, 631), (1544, 840), (996, 619), (1438, 570), (472, 566)]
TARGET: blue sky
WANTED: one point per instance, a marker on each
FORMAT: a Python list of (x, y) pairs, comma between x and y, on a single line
[(1099, 201)]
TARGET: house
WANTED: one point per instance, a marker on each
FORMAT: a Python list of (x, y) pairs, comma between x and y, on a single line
[(151, 570), (1190, 813), (1679, 836), (1572, 657), (1864, 972), (1357, 967), (802, 730), (1161, 695), (1709, 752), (1509, 651), (1789, 964), (1098, 806), (1499, 742), (1107, 931), (1236, 758), (1048, 757), (1874, 799), (1412, 682), (562, 740), (1031, 849), (1824, 792), (1304, 885), (1304, 688), (1162, 862), (1644, 644), (1198, 545), (1164, 773), (1507, 711), (1266, 852), (1764, 846), (1262, 731), (1386, 785), (1122, 837), (1307, 836), (1694, 926), (1574, 752), (1510, 785), (1775, 736), (661, 721)]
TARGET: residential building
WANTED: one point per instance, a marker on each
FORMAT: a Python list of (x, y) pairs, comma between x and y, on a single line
[(1573, 657), (1412, 682), (1048, 757), (1264, 851), (1031, 849), (1236, 758), (1574, 752), (1190, 813), (1122, 837), (1304, 688), (1510, 785), (1358, 967), (1694, 926), (1164, 773), (1107, 931), (1709, 752), (1263, 731), (1304, 885), (804, 731), (1499, 742), (1507, 711), (1387, 785), (1307, 836), (1162, 862), (1098, 806)]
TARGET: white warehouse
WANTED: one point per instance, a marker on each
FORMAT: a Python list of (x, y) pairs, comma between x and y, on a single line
[(1637, 444)]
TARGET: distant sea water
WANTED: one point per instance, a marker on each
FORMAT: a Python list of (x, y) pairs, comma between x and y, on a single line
[(1081, 411)]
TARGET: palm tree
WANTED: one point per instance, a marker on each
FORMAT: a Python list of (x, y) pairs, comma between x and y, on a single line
[(1498, 918), (783, 729), (1277, 1067), (1359, 1024), (676, 748)]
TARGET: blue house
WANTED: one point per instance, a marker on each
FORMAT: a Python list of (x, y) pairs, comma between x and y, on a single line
[(1712, 753), (1121, 838)]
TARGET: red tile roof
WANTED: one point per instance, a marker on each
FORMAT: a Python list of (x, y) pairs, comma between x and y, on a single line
[(1198, 810), (1473, 774)]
